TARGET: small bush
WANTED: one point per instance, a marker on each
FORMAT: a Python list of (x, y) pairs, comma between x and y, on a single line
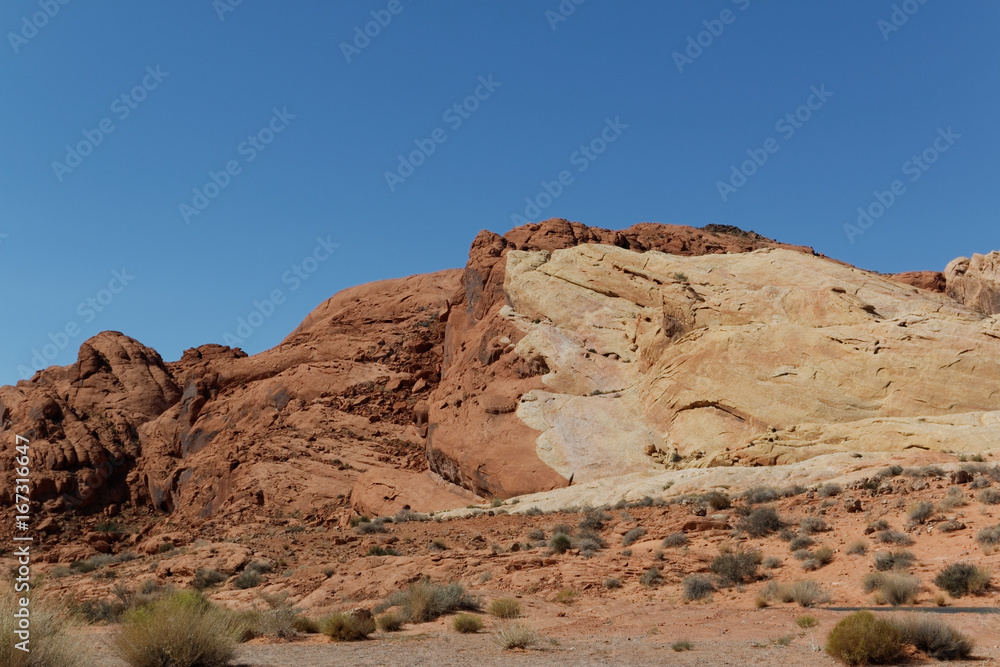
[(805, 593), (347, 627), (760, 494), (963, 579), (697, 587), (505, 608), (611, 583), (894, 537), (980, 482), (989, 537), (950, 526), (760, 522), (920, 512), (205, 578), (651, 578), (736, 567), (893, 588), (180, 630), (248, 578), (676, 540), (813, 524), (989, 497), (536, 534), (802, 554), (879, 524), (467, 623), (771, 562), (894, 560), (857, 548), (381, 551), (861, 639), (801, 542), (593, 520), (717, 500), (829, 490), (891, 471), (632, 536), (952, 499), (805, 622), (682, 645), (390, 621), (560, 543), (934, 637), (513, 634), (371, 527), (424, 601)]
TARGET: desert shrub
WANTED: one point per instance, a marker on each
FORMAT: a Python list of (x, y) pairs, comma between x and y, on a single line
[(802, 554), (800, 542), (513, 634), (505, 608), (612, 583), (761, 522), (467, 623), (861, 639), (371, 527), (697, 587), (736, 567), (248, 578), (899, 559), (920, 512), (950, 526), (594, 519), (261, 566), (560, 543), (924, 471), (566, 596), (953, 498), (390, 621), (536, 534), (347, 627), (424, 601), (717, 500), (534, 511), (980, 482), (893, 588), (879, 524), (682, 645), (676, 540), (934, 637), (651, 578), (890, 471), (893, 537), (829, 490), (857, 548), (786, 534), (806, 621), (437, 545), (760, 494), (989, 537), (632, 536), (50, 645), (179, 630), (207, 577), (805, 593), (771, 562), (813, 524), (381, 551), (963, 579), (404, 515), (818, 559), (989, 497)]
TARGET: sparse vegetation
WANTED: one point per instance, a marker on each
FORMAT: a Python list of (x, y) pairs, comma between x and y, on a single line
[(206, 577), (900, 559), (920, 512), (371, 527), (651, 578), (248, 578), (961, 579), (676, 540), (893, 588), (467, 623), (514, 634), (989, 497), (934, 637), (505, 608), (424, 601), (806, 621), (593, 519), (771, 562), (697, 587), (560, 543), (632, 536), (813, 524), (801, 542), (953, 498), (760, 494), (682, 645), (341, 627), (390, 621), (381, 551), (829, 490), (761, 522), (717, 500), (894, 537), (989, 537), (857, 548), (805, 593), (51, 646), (861, 639), (736, 567), (612, 583)]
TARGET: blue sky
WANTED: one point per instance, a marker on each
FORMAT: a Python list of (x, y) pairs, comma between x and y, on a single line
[(308, 119)]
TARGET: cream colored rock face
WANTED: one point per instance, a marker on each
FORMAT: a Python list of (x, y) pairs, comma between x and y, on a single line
[(765, 357)]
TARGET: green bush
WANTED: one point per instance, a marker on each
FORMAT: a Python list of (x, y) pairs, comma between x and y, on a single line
[(934, 637), (963, 579), (736, 567), (467, 623), (560, 543), (761, 522), (179, 630), (390, 621), (862, 639), (347, 627), (505, 608), (424, 601)]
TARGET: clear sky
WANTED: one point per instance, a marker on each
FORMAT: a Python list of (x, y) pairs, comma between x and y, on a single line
[(213, 153)]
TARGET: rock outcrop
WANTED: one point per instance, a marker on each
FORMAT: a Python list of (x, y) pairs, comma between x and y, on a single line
[(975, 282)]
